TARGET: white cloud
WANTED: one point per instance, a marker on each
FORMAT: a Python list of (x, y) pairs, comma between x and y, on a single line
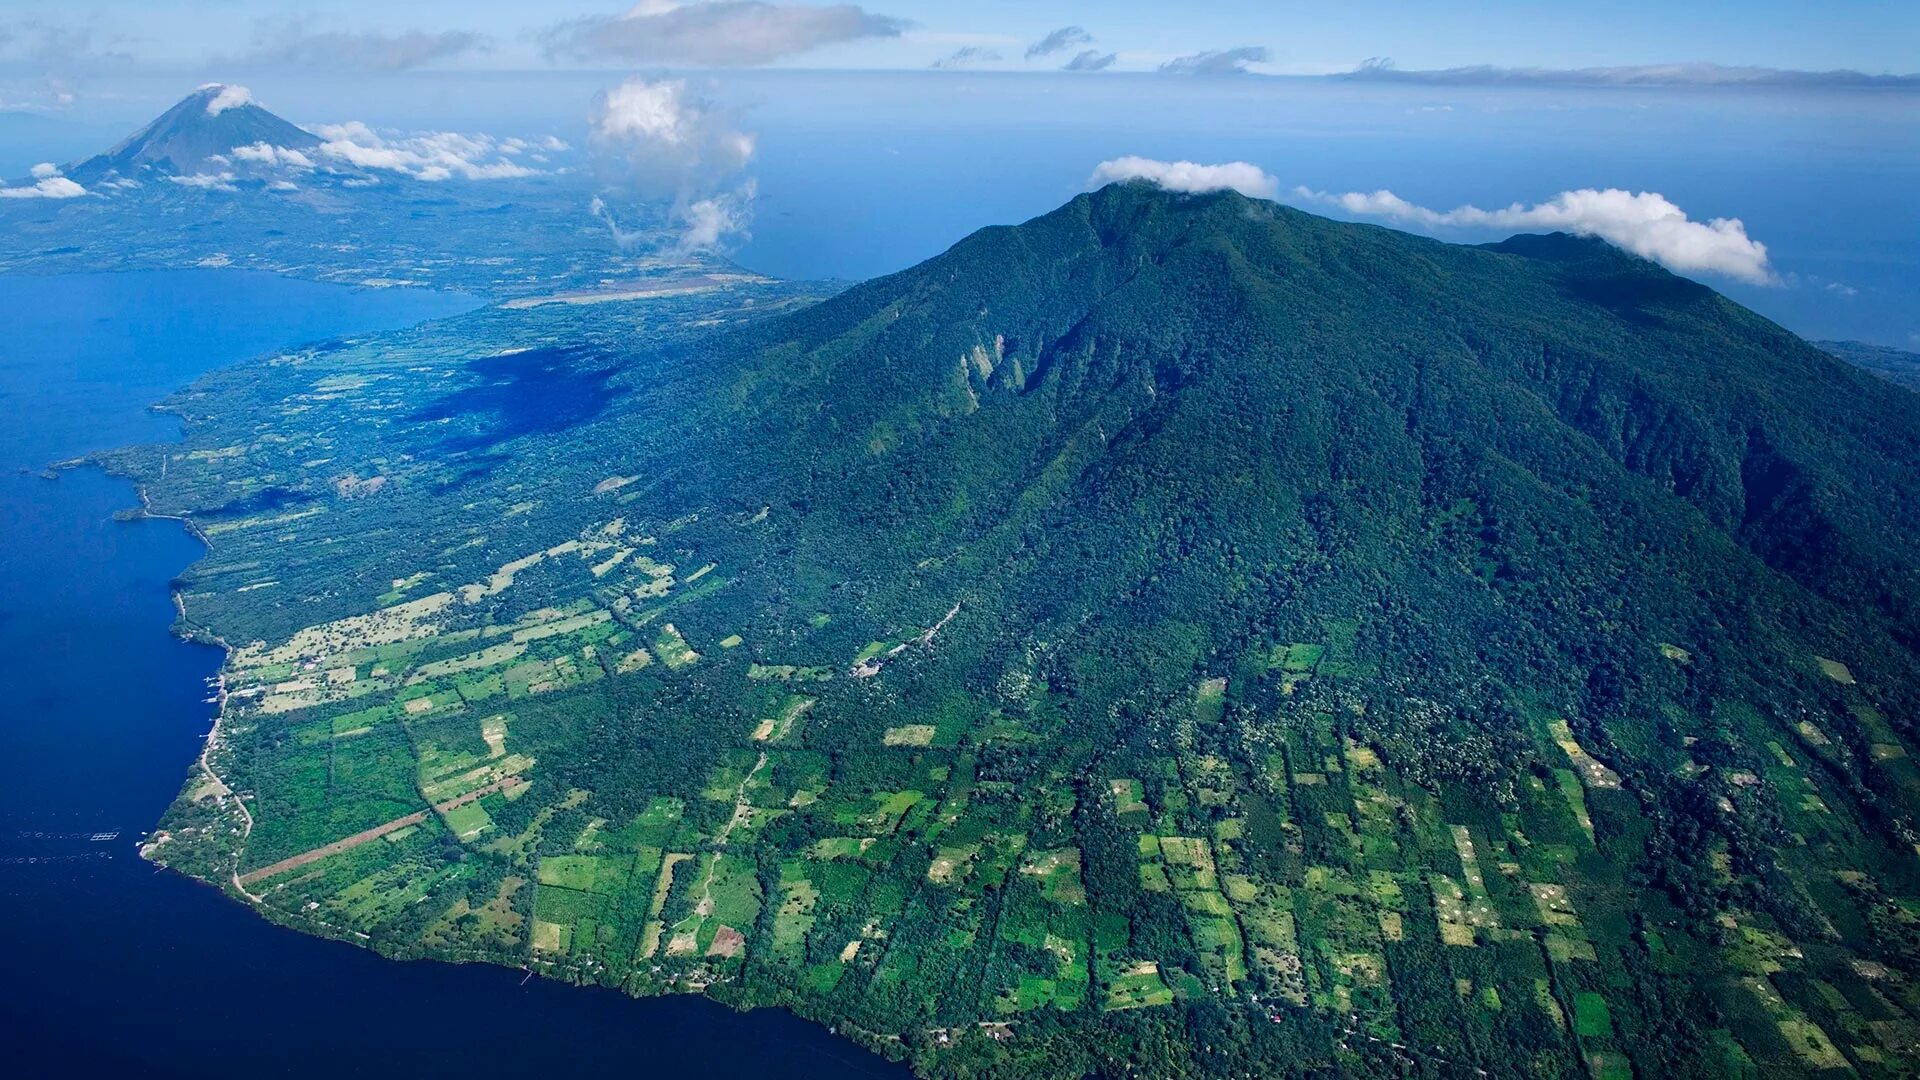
[(48, 187), (1645, 223), (715, 221), (222, 181), (675, 146), (262, 153), (45, 169), (431, 156), (673, 141), (229, 97), (1188, 176), (720, 33)]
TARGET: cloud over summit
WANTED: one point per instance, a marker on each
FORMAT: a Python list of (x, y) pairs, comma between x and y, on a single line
[(1645, 223), (1187, 176), (226, 97)]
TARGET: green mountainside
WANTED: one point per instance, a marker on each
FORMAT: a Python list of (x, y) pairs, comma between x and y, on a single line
[(1178, 635)]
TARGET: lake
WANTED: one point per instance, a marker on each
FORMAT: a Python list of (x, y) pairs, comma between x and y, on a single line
[(114, 966)]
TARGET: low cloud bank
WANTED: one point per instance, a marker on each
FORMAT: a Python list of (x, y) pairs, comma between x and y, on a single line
[(262, 153), (1644, 222), (1381, 69), (220, 181), (1187, 176), (46, 187), (430, 156)]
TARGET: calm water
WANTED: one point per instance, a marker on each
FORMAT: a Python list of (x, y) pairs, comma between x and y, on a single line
[(111, 966)]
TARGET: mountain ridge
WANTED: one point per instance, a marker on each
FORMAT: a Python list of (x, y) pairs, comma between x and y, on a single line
[(1629, 409)]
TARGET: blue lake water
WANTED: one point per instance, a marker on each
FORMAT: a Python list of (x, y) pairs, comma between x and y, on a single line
[(112, 967)]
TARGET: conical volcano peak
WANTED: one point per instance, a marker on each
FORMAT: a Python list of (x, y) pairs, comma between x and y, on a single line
[(198, 134)]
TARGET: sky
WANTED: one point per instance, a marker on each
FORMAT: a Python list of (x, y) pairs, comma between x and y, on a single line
[(68, 41)]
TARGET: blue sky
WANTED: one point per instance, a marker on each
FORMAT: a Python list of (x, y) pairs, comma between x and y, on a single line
[(1868, 35)]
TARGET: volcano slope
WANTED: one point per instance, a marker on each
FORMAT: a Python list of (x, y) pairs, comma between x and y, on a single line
[(1177, 635)]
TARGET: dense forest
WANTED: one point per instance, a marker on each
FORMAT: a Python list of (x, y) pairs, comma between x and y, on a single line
[(1176, 636)]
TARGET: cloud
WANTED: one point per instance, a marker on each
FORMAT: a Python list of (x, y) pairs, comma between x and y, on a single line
[(1217, 61), (45, 169), (969, 54), (291, 44), (229, 97), (262, 153), (431, 156), (1187, 176), (1059, 41), (717, 33), (222, 181), (718, 220), (1381, 69), (672, 145), (47, 187), (1645, 223), (673, 141), (1090, 60)]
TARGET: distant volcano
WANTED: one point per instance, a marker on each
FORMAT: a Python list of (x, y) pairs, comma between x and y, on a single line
[(208, 124)]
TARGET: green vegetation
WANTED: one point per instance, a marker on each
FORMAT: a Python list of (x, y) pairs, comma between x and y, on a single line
[(1259, 646)]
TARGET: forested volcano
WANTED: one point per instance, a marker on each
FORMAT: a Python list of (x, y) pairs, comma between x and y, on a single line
[(1178, 633)]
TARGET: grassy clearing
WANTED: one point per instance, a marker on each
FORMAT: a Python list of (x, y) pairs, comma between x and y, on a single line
[(673, 648), (909, 735)]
